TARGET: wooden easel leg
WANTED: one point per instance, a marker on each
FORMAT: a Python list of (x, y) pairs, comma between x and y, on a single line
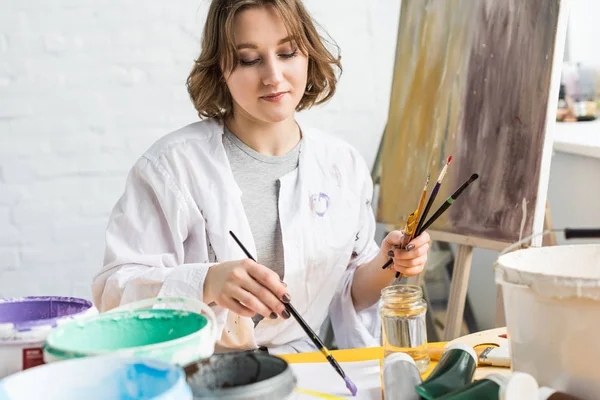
[(500, 320), (550, 239), (458, 292)]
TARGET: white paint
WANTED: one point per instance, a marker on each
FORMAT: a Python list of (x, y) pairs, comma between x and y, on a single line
[(552, 300)]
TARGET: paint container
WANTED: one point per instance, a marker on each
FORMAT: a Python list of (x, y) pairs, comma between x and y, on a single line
[(403, 310), (400, 377), (25, 323), (552, 303), (98, 378), (515, 386), (547, 393), (454, 371), (241, 376), (177, 336)]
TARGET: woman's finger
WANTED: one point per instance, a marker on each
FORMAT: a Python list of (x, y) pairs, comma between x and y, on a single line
[(410, 271), (413, 262), (266, 297), (250, 301), (270, 280), (402, 254), (236, 307), (396, 239), (421, 239)]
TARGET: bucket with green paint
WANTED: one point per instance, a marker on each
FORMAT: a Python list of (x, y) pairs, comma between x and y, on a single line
[(174, 335)]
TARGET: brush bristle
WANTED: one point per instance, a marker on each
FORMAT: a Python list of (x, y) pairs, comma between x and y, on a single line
[(449, 159), (351, 386)]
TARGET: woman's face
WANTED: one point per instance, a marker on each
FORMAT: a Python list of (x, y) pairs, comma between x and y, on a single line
[(270, 79)]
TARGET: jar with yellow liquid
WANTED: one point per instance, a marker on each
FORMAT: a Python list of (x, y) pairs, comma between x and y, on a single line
[(402, 310)]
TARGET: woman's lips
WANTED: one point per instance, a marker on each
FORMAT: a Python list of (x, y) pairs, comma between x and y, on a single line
[(274, 97)]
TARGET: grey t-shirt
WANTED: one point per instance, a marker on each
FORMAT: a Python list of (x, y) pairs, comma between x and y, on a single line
[(258, 175)]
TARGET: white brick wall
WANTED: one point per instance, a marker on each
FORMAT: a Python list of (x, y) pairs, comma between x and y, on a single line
[(86, 86)]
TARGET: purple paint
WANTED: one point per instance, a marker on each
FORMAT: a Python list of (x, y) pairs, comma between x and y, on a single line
[(351, 386), (28, 312)]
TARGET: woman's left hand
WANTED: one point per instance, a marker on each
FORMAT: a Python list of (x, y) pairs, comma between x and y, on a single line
[(409, 261)]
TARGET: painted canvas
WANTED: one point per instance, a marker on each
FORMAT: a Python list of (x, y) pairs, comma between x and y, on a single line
[(475, 80)]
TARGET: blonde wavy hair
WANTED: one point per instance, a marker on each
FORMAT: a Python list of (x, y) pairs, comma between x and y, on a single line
[(206, 83)]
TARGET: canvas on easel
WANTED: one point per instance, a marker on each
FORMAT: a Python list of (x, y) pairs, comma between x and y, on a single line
[(478, 81)]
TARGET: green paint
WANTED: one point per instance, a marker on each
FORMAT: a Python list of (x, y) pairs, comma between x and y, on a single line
[(454, 371), (141, 328), (481, 390), (450, 200), (160, 333)]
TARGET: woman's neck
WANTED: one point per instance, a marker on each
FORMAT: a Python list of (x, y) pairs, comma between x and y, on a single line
[(272, 139)]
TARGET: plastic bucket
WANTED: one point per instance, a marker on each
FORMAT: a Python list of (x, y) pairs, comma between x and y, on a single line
[(241, 376), (106, 377), (175, 336), (552, 305), (25, 323)]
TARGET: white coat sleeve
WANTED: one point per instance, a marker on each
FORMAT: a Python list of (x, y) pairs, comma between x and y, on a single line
[(354, 329), (146, 253)]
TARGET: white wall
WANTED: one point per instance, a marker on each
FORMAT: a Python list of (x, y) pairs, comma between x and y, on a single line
[(584, 31), (87, 86)]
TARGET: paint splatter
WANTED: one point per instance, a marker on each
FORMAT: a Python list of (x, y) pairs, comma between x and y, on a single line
[(319, 203)]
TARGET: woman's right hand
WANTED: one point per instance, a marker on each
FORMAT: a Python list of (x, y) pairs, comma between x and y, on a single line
[(246, 288)]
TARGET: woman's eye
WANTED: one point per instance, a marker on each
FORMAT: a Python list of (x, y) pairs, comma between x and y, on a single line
[(247, 63), (251, 62), (290, 55)]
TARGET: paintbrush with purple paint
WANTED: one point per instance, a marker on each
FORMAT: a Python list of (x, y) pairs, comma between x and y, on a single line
[(311, 334)]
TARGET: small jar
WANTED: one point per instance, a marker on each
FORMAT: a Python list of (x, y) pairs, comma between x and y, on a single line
[(402, 310)]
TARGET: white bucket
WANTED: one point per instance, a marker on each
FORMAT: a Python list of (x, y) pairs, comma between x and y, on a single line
[(552, 306), (26, 322), (101, 378)]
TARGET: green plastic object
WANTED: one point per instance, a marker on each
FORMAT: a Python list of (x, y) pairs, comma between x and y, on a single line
[(454, 371)]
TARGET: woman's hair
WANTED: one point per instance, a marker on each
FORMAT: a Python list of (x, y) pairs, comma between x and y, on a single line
[(206, 83)]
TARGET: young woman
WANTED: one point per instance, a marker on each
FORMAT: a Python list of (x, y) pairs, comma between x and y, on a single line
[(298, 199)]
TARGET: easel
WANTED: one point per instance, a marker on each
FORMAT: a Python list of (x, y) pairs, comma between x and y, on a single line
[(461, 271), (462, 267)]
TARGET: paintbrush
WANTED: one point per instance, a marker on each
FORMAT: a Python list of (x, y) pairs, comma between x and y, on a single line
[(410, 227), (449, 202), (413, 229), (311, 334), (432, 197), (582, 233)]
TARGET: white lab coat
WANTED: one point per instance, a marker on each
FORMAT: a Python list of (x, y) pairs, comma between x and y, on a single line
[(181, 200)]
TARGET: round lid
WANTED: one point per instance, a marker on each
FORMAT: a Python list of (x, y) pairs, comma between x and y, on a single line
[(464, 347), (555, 271), (394, 357)]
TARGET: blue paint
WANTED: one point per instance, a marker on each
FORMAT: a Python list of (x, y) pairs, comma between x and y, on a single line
[(96, 378), (133, 381)]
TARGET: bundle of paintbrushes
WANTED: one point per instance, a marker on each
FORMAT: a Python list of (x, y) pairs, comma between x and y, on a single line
[(415, 223)]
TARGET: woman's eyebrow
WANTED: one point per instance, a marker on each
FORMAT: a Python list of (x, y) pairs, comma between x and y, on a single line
[(254, 46)]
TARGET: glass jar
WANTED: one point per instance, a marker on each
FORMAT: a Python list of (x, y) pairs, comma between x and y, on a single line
[(402, 310)]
